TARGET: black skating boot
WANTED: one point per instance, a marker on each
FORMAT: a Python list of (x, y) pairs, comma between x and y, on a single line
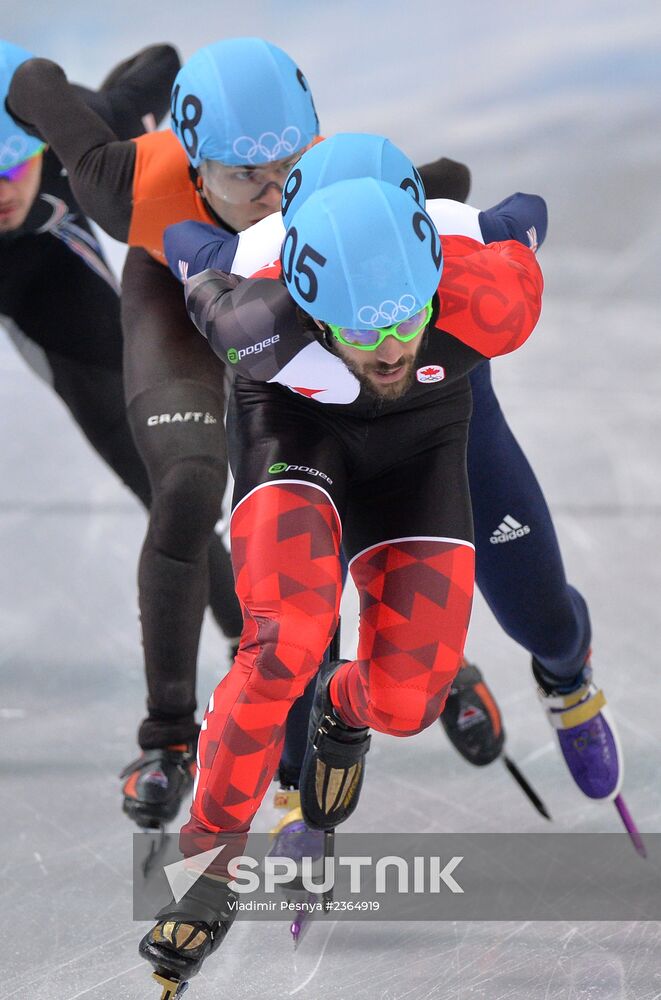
[(187, 932), (471, 718), (334, 765), (156, 783)]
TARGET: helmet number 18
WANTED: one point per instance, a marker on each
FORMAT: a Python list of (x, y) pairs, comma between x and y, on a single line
[(191, 112)]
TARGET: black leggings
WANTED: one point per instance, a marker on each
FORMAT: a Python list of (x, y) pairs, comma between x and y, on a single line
[(174, 387), (95, 398), (65, 320)]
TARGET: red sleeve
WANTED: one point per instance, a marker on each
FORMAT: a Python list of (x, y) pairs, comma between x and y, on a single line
[(490, 296)]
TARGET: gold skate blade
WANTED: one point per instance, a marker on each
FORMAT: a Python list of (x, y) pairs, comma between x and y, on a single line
[(172, 988)]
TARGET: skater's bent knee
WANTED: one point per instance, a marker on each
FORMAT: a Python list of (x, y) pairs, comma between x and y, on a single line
[(285, 655), (404, 710), (186, 506)]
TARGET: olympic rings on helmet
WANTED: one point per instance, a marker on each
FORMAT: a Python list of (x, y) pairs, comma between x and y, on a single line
[(13, 150), (269, 146), (389, 312)]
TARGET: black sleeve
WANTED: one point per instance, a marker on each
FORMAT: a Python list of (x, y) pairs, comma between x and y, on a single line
[(135, 96), (251, 322), (446, 179), (100, 167)]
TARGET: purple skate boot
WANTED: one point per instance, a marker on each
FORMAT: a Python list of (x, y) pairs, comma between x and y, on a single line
[(586, 732), (293, 838), (588, 739)]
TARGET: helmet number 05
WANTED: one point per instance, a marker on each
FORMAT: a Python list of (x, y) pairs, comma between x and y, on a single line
[(307, 291), (420, 222), (191, 112)]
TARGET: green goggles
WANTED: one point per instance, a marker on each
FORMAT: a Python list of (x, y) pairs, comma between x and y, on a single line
[(369, 340)]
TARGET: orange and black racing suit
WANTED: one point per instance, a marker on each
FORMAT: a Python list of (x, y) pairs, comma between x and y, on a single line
[(174, 383)]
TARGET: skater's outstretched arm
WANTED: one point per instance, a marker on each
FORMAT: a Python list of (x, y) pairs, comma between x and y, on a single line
[(135, 96), (192, 247), (99, 165)]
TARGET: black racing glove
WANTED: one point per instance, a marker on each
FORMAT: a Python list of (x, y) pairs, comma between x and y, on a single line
[(446, 179)]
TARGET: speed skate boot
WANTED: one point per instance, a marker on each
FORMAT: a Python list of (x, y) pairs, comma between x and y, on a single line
[(156, 783), (187, 932), (293, 838), (586, 732), (473, 723), (471, 718), (334, 765)]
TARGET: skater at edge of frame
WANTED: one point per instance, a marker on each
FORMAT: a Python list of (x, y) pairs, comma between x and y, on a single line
[(387, 436), (133, 190), (61, 303)]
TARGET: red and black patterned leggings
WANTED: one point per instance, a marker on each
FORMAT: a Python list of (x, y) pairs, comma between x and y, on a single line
[(415, 593)]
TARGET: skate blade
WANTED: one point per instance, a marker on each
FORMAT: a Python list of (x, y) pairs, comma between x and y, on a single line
[(299, 926), (303, 919), (630, 826), (172, 988), (156, 847), (526, 787), (305, 916)]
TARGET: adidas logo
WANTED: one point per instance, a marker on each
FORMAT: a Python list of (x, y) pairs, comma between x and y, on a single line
[(509, 529)]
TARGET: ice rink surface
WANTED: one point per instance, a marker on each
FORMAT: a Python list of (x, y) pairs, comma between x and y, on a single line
[(563, 103)]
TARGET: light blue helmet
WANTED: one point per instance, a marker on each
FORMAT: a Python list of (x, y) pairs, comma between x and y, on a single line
[(343, 157), (242, 101), (16, 146), (361, 253)]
